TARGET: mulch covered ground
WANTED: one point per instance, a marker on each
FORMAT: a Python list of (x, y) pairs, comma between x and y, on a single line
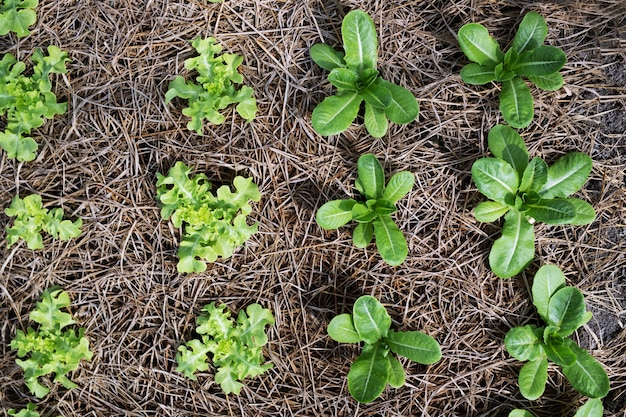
[(99, 160)]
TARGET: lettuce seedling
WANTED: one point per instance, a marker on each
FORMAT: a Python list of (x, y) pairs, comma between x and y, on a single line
[(526, 192), (215, 88), (16, 16), (29, 411), (563, 309), (373, 215), (31, 218), (237, 348), (356, 78), (213, 225), (592, 408), (527, 57), (51, 349), (26, 101), (376, 366)]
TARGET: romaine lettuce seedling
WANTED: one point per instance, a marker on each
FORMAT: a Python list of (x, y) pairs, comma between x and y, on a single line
[(592, 408), (527, 57), (26, 101), (215, 88), (16, 16), (31, 218), (526, 192), (213, 225), (237, 348), (356, 78), (373, 215), (51, 349), (376, 366), (563, 309)]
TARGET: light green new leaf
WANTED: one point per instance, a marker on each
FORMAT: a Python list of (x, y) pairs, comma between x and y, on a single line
[(549, 82), (192, 358), (534, 177), (416, 346), (516, 103), (495, 179), (585, 213), (567, 175), (531, 33), (371, 177), (341, 329), (334, 214), (396, 377), (327, 57), (512, 252), (343, 78), (375, 121), (540, 62), (359, 39), (551, 211), (548, 280), (532, 378), (371, 320), (399, 185), (251, 325), (476, 74), (592, 408), (390, 240), (520, 413), (17, 146), (335, 113), (490, 211), (566, 310), (363, 234), (376, 96), (369, 373), (523, 343), (403, 107), (586, 375), (16, 16), (506, 144), (478, 46)]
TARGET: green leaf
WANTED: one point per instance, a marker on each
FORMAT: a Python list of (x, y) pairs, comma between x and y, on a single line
[(416, 346), (403, 107), (534, 177), (16, 16), (567, 175), (478, 46), (592, 408), (362, 235), (476, 74), (585, 213), (251, 325), (512, 252), (390, 240), (396, 377), (341, 329), (343, 78), (506, 144), (376, 96), (551, 211), (398, 186), (362, 213), (548, 280), (335, 113), (327, 57), (48, 313), (516, 103), (371, 177), (18, 146), (371, 320), (532, 378), (375, 121), (520, 413), (523, 343), (586, 375), (192, 358), (549, 82), (359, 39), (566, 310), (490, 211), (531, 33), (541, 61), (369, 374), (495, 179), (334, 214), (29, 411), (559, 353)]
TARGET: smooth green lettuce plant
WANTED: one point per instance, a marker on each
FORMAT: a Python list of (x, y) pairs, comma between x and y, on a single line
[(16, 16), (215, 88), (376, 366), (51, 349), (355, 75), (563, 310), (31, 219), (592, 408), (27, 100), (527, 57), (236, 347), (374, 214), (213, 224), (524, 193)]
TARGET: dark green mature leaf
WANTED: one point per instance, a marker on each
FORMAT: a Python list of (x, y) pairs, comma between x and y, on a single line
[(586, 375), (327, 57), (551, 211), (567, 175), (549, 82), (360, 42), (495, 179), (548, 280), (532, 378), (559, 352), (375, 121), (541, 61), (336, 113), (371, 178), (343, 78), (478, 46), (490, 211), (523, 343), (369, 373), (476, 74), (404, 107), (399, 185), (534, 177), (334, 214), (585, 213), (506, 144), (512, 252), (376, 96), (416, 346), (396, 377), (592, 408), (390, 240), (371, 320), (566, 310), (516, 103), (531, 33), (341, 329)]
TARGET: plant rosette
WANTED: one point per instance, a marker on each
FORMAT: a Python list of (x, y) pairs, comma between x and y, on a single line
[(592, 408), (527, 57), (524, 193), (357, 80)]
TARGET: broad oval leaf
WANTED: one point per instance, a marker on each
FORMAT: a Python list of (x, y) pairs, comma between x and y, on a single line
[(592, 408), (534, 177), (506, 144), (359, 40), (335, 113), (370, 318), (399, 185), (341, 329), (516, 103), (559, 353), (390, 240), (585, 213), (368, 374), (397, 376), (404, 107), (567, 175), (362, 235), (515, 249), (376, 96), (416, 346), (478, 46), (566, 310), (371, 176), (326, 56), (551, 211), (476, 74), (362, 213), (541, 61), (532, 378), (550, 82), (490, 211), (518, 412), (376, 122), (343, 78), (523, 343), (586, 375), (548, 280), (531, 33), (495, 179), (334, 214)]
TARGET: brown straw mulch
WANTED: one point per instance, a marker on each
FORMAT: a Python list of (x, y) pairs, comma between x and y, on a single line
[(99, 160)]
